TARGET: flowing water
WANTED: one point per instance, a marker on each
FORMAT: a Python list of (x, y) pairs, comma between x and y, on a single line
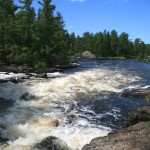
[(76, 106)]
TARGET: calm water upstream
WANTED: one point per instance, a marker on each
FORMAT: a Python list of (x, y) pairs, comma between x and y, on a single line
[(77, 106)]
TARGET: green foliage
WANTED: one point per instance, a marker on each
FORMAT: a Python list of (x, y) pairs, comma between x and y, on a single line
[(110, 44), (147, 49), (37, 42), (40, 65), (139, 57), (18, 55), (40, 40), (114, 43)]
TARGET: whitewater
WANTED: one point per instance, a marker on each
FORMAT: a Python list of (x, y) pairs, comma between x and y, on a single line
[(76, 106)]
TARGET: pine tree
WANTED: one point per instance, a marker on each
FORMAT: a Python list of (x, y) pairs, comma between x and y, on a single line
[(139, 47), (123, 44), (27, 19), (106, 44), (98, 46), (7, 11), (114, 43)]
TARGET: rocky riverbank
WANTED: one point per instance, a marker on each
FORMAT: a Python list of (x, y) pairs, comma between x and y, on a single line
[(135, 136), (16, 74), (24, 69)]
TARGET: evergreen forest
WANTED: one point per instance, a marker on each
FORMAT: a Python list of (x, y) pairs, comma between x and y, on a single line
[(39, 39)]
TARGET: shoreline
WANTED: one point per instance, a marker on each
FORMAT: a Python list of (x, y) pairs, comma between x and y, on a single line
[(136, 133)]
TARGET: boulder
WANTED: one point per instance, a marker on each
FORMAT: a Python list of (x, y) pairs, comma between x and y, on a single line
[(27, 97), (137, 93), (16, 81), (140, 115), (88, 55), (51, 143), (41, 75), (132, 138)]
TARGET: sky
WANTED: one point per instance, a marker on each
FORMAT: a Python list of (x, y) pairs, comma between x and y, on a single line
[(130, 16)]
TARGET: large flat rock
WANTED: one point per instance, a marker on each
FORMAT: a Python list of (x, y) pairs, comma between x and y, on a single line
[(137, 93), (135, 137)]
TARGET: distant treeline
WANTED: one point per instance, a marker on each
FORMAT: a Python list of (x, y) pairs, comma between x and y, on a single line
[(40, 40), (110, 44)]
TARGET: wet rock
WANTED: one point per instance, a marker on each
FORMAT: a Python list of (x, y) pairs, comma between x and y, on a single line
[(72, 118), (70, 108), (132, 138), (138, 93), (3, 81), (56, 123), (88, 55), (48, 70), (27, 97), (51, 143), (80, 95), (140, 115), (15, 80), (41, 75), (8, 69)]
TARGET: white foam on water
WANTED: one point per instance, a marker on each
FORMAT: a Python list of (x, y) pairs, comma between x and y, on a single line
[(12, 75), (55, 74), (46, 113), (145, 87)]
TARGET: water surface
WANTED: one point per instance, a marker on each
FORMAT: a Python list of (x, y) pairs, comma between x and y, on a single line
[(76, 106)]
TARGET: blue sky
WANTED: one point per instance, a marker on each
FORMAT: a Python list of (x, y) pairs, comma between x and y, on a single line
[(130, 16)]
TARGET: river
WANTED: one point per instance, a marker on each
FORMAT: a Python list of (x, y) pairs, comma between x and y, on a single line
[(75, 106)]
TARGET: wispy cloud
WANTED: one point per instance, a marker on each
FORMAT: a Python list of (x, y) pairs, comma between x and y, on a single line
[(77, 0)]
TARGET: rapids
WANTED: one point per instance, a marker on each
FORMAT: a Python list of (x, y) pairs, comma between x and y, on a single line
[(75, 106)]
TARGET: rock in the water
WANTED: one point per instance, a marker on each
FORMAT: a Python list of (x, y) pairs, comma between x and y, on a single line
[(72, 118), (51, 143), (136, 137), (3, 81), (140, 115), (48, 70), (16, 81), (42, 75), (27, 97), (88, 54), (138, 93)]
